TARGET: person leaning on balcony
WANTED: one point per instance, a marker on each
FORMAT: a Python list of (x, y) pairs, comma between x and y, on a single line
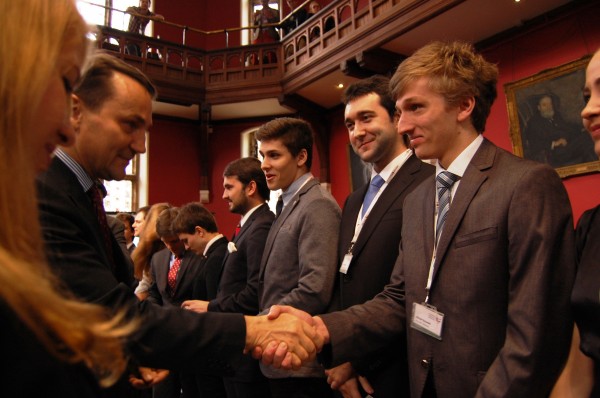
[(296, 19), (266, 15), (140, 16)]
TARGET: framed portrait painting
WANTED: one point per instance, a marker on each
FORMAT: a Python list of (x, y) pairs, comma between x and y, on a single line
[(544, 112)]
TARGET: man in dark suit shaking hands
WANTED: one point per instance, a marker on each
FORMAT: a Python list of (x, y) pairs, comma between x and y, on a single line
[(370, 232), (111, 113), (485, 304)]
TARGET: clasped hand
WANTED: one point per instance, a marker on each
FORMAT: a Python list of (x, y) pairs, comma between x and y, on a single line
[(286, 338)]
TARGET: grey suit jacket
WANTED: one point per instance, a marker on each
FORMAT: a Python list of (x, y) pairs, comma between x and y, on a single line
[(503, 276), (373, 256), (299, 262), (189, 271)]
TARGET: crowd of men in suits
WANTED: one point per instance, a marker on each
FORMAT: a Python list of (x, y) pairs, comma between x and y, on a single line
[(451, 288)]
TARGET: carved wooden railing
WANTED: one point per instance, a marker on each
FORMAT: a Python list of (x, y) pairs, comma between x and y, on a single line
[(337, 33)]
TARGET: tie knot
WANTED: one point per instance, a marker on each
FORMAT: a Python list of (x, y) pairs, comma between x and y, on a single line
[(279, 205), (377, 181), (446, 179)]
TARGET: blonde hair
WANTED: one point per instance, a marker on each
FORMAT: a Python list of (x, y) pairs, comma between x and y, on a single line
[(149, 243), (34, 33), (455, 71)]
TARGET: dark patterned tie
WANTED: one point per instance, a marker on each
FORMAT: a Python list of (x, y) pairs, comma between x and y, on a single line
[(444, 182), (97, 201), (279, 206), (237, 231), (376, 184), (172, 277)]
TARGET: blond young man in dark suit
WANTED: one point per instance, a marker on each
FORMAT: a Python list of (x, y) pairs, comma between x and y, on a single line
[(486, 308), (369, 236)]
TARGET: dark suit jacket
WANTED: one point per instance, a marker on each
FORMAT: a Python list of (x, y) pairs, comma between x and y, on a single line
[(167, 337), (189, 270), (26, 359), (118, 229), (238, 288), (207, 282), (503, 276), (374, 255)]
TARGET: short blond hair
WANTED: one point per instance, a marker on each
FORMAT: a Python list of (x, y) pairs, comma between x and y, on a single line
[(455, 71)]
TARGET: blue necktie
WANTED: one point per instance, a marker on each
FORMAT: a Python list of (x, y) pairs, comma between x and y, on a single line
[(376, 183), (444, 182)]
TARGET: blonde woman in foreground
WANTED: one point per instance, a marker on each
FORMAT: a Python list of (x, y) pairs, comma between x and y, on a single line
[(51, 344)]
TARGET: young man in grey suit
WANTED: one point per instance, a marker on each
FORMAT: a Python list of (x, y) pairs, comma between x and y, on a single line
[(299, 261), (246, 191), (485, 305), (370, 232)]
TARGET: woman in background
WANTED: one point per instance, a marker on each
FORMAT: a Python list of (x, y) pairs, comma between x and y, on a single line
[(51, 344), (149, 244), (581, 376)]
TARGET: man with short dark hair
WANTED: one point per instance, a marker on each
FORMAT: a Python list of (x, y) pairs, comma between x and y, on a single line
[(299, 261), (175, 273), (112, 110), (246, 191), (197, 229), (370, 231), (139, 19)]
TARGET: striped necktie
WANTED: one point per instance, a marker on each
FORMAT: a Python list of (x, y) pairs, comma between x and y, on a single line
[(444, 182)]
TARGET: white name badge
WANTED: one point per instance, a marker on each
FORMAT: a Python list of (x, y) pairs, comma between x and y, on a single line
[(346, 263), (427, 319)]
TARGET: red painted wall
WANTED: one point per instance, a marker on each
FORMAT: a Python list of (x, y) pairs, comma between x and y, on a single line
[(552, 45), (173, 167), (202, 15)]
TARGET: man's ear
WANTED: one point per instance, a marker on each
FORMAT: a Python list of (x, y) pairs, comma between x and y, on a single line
[(465, 108), (302, 157), (76, 112), (251, 188), (199, 230)]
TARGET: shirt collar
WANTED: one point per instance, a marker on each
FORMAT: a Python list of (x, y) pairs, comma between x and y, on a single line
[(210, 242), (295, 187), (395, 164), (460, 164), (84, 179), (248, 214)]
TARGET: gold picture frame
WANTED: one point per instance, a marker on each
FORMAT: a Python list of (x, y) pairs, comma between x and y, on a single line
[(544, 111)]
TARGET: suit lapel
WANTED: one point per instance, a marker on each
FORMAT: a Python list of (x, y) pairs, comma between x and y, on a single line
[(183, 267), (388, 197), (287, 210), (80, 200), (475, 175)]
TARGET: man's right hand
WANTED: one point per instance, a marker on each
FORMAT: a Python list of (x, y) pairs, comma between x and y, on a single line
[(283, 342)]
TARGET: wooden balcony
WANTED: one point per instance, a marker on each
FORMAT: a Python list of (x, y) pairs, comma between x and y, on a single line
[(340, 32)]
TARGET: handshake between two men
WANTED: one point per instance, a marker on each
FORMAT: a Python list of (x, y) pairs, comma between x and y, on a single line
[(286, 338)]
